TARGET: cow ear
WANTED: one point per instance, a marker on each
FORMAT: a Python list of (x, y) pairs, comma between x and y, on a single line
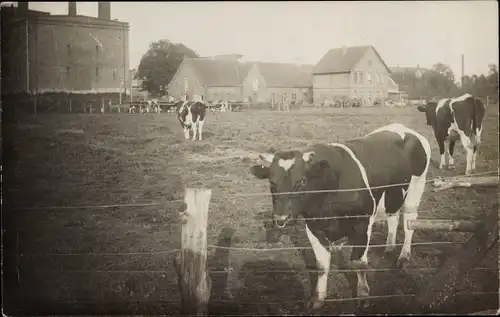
[(260, 171), (307, 157), (421, 108), (267, 157)]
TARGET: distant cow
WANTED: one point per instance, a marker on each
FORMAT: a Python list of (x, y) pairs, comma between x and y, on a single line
[(448, 117), (191, 115), (393, 157)]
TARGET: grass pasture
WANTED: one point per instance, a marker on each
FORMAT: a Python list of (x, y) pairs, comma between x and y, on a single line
[(66, 261)]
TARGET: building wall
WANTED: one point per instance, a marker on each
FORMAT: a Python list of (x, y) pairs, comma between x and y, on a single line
[(229, 93), (14, 57), (63, 55), (177, 87), (248, 86), (328, 87), (370, 64), (264, 93)]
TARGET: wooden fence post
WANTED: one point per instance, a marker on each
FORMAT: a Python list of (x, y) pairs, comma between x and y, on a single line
[(70, 109), (34, 105), (194, 283)]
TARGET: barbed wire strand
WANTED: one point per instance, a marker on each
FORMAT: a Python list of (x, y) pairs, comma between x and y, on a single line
[(244, 195), (178, 300), (232, 248), (231, 270)]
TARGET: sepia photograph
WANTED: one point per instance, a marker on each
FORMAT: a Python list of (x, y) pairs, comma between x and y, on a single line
[(225, 158)]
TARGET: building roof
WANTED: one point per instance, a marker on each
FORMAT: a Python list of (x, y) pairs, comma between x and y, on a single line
[(335, 61), (286, 74), (219, 73)]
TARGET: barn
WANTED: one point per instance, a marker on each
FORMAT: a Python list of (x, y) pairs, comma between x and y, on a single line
[(351, 72), (214, 79), (271, 82)]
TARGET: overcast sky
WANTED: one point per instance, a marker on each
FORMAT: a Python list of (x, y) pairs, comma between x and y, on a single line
[(404, 33)]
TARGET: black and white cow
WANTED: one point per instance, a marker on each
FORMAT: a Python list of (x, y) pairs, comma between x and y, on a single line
[(191, 115), (393, 156), (455, 119)]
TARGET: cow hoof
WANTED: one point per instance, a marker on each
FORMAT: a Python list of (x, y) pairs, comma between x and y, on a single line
[(451, 167), (441, 167), (403, 263), (363, 303), (315, 303)]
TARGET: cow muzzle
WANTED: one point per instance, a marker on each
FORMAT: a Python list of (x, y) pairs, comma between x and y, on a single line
[(281, 221)]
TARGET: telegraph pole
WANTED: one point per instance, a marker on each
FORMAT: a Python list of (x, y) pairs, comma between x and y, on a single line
[(462, 81)]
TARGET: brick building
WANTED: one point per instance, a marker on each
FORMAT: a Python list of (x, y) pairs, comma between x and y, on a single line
[(64, 53), (351, 72)]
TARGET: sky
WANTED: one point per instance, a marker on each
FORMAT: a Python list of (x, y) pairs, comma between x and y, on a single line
[(406, 33)]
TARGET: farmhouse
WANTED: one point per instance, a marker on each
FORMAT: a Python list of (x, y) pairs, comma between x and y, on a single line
[(64, 53), (214, 79), (351, 72), (270, 82)]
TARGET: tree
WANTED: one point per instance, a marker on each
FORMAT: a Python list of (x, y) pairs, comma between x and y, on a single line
[(159, 64)]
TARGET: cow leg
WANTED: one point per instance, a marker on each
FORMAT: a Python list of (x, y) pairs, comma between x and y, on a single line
[(193, 129), (323, 257), (442, 163), (451, 160), (359, 257), (200, 130), (474, 155), (469, 149), (186, 133), (410, 212)]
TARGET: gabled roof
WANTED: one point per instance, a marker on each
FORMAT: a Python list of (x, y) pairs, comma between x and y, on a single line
[(286, 74), (219, 73), (335, 61)]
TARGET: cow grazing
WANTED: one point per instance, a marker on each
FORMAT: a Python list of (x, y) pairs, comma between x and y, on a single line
[(452, 119), (393, 156), (191, 115)]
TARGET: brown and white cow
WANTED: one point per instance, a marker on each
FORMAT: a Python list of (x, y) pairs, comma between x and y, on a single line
[(455, 119), (393, 156), (191, 115)]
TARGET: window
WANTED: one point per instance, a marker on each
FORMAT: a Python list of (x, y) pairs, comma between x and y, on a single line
[(97, 50), (69, 49), (360, 78), (381, 78), (255, 84), (114, 74), (355, 74), (369, 63), (97, 72), (369, 77), (294, 97), (186, 84), (272, 98)]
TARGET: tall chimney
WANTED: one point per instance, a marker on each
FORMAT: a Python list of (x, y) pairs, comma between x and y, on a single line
[(72, 9), (104, 10), (23, 7)]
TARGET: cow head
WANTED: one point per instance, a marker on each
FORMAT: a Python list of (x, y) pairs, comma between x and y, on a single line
[(287, 173), (430, 111)]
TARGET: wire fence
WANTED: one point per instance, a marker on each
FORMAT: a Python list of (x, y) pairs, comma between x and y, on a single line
[(250, 249), (245, 195)]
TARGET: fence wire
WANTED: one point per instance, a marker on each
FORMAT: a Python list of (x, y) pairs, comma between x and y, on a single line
[(242, 195)]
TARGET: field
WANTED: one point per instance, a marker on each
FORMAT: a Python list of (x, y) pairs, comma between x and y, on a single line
[(113, 260)]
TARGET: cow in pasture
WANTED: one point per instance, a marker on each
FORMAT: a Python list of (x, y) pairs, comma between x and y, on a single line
[(191, 115), (349, 182), (153, 106), (455, 119)]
